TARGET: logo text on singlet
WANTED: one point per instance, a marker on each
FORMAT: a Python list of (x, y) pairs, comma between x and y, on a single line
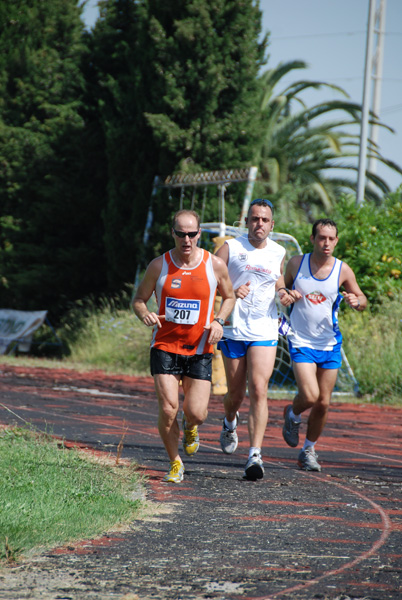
[(316, 297), (185, 312), (257, 269)]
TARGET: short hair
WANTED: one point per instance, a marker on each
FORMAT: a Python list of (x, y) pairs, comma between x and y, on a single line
[(324, 223), (261, 202), (179, 213)]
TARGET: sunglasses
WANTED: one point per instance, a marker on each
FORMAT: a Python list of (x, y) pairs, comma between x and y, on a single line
[(182, 234)]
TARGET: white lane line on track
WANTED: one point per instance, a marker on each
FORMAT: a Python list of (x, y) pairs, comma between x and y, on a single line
[(91, 392), (386, 528), (365, 454)]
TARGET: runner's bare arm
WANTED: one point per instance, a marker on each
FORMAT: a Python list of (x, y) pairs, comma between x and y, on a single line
[(243, 290), (290, 275), (145, 291), (225, 289), (223, 253), (286, 295), (352, 294)]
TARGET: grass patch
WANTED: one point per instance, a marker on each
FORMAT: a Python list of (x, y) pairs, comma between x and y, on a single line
[(107, 337), (51, 495)]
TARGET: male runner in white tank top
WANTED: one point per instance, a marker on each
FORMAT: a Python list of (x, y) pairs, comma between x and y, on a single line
[(250, 337), (315, 339)]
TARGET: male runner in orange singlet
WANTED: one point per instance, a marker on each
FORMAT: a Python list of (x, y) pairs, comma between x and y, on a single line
[(184, 280)]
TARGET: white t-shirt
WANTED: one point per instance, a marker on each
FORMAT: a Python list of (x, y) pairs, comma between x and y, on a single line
[(314, 318), (254, 317)]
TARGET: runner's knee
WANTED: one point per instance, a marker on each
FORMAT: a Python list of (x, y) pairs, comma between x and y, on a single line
[(258, 390), (168, 412), (195, 417)]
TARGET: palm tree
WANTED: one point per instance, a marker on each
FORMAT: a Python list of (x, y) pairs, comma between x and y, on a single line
[(303, 160)]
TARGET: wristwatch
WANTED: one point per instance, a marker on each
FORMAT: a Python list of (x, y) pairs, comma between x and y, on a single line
[(220, 321)]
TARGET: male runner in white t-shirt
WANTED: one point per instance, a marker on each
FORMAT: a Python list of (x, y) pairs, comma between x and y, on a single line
[(315, 339), (249, 341)]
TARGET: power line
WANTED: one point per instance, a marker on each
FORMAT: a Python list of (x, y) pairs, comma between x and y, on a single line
[(326, 35), (390, 109), (310, 35), (359, 78)]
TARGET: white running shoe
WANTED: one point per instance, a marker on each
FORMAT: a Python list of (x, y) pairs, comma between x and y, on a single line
[(228, 438), (307, 460), (254, 468)]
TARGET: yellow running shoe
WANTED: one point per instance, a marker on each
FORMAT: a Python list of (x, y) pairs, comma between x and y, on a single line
[(191, 439), (176, 472)]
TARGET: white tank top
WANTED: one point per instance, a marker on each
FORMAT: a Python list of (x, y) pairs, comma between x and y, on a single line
[(314, 318), (254, 317)]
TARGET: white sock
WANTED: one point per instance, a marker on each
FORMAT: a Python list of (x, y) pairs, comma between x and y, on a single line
[(230, 424), (294, 417), (254, 450), (308, 444)]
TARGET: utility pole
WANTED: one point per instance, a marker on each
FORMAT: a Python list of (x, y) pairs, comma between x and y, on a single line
[(377, 75), (361, 177)]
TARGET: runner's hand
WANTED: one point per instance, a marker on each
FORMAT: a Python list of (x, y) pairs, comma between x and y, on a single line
[(215, 332), (351, 299), (243, 290), (151, 319), (289, 297)]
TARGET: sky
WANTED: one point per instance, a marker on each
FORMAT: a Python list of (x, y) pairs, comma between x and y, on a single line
[(330, 36)]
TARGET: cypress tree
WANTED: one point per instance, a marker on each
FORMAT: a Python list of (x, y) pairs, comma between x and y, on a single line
[(119, 82), (178, 89), (51, 229)]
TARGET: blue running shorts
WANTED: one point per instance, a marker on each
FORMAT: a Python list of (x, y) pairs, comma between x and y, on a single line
[(237, 349), (325, 359)]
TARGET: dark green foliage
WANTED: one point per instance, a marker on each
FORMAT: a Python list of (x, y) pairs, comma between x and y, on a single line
[(50, 216), (206, 62), (206, 66), (177, 87), (121, 84), (88, 119)]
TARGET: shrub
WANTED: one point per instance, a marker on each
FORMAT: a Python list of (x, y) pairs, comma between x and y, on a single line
[(372, 343), (107, 335)]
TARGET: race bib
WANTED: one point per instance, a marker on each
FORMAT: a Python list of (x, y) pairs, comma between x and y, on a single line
[(185, 312)]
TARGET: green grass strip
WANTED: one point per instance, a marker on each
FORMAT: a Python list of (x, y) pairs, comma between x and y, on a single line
[(51, 495)]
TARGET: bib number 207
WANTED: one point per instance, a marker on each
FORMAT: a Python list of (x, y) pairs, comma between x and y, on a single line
[(183, 315)]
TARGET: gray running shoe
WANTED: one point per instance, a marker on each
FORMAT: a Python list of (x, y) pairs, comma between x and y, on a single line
[(290, 429), (254, 468), (308, 460), (228, 438)]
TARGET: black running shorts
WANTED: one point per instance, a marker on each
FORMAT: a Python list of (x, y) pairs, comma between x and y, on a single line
[(198, 366)]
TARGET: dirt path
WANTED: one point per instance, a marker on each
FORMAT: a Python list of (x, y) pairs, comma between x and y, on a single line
[(293, 535)]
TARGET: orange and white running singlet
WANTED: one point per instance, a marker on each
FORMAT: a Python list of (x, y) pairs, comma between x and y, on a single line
[(186, 297)]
